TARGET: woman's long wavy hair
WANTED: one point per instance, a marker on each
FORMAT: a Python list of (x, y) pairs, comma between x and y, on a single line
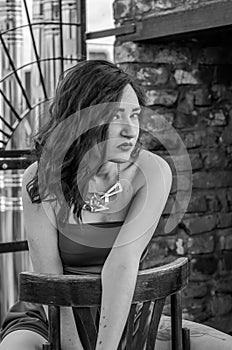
[(62, 145)]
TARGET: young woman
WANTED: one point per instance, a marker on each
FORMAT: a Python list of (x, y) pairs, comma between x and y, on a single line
[(91, 202)]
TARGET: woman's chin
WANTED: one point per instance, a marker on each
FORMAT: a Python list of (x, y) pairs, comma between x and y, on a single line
[(120, 159)]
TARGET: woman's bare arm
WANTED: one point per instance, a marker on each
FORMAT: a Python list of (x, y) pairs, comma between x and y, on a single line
[(40, 225), (119, 273)]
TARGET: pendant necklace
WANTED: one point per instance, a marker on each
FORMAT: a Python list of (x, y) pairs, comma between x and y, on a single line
[(98, 202)]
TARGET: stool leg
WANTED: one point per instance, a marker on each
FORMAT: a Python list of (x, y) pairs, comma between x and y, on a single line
[(186, 338), (54, 327), (176, 321)]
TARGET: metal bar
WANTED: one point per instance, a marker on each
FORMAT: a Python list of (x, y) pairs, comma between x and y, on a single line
[(35, 50), (61, 38), (7, 124), (4, 133), (41, 60), (39, 24), (83, 28), (14, 71), (13, 164), (10, 105), (123, 30), (15, 153), (10, 247)]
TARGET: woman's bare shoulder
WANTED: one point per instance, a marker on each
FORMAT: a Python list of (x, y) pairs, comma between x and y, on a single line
[(153, 165)]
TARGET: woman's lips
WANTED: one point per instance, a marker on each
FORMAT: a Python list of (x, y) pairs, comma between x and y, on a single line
[(125, 146)]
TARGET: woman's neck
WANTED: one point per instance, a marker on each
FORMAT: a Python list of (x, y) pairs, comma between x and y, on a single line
[(107, 171)]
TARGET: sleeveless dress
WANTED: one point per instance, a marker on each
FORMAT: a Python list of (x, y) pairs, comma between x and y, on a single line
[(83, 249)]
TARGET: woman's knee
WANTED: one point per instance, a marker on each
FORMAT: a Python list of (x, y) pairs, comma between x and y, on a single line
[(22, 340)]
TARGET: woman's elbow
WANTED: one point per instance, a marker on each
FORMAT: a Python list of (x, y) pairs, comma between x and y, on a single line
[(116, 266)]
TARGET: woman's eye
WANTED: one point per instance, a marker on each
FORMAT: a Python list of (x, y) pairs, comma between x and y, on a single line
[(116, 117), (135, 115)]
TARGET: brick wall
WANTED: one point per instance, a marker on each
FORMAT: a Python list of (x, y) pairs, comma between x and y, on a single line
[(190, 84)]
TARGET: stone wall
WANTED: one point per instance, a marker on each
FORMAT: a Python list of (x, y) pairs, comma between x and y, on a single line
[(189, 82)]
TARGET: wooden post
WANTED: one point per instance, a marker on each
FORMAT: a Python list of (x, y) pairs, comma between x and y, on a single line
[(54, 327), (176, 321)]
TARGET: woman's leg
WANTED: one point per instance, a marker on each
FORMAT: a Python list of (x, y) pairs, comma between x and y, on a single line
[(201, 337), (22, 340)]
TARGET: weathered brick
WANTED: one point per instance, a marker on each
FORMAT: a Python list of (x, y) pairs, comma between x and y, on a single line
[(210, 180), (202, 266), (186, 102), (224, 220), (162, 97), (183, 120), (214, 158), (197, 309), (199, 224), (202, 97), (226, 135), (225, 263), (184, 77), (155, 76), (213, 202), (222, 196), (195, 290), (223, 285), (229, 198), (220, 304), (223, 240), (197, 203), (212, 136), (217, 118), (143, 6), (122, 8), (207, 73), (200, 244), (147, 53), (218, 92), (193, 138)]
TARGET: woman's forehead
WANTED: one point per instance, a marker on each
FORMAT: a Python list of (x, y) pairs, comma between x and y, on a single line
[(129, 98)]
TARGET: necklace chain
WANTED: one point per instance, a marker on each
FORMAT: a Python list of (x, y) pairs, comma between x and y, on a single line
[(97, 202)]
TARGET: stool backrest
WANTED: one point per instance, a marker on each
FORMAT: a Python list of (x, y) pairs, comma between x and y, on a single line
[(84, 291)]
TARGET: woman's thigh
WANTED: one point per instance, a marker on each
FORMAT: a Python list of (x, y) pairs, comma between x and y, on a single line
[(22, 340), (201, 337)]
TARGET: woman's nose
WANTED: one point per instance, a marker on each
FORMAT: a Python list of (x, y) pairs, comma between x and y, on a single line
[(129, 131)]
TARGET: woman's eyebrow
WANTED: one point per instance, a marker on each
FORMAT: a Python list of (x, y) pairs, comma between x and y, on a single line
[(120, 109)]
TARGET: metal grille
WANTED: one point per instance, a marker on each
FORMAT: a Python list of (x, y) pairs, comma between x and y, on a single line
[(55, 35), (36, 44)]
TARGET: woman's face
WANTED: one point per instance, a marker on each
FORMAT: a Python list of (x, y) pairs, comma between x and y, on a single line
[(123, 130)]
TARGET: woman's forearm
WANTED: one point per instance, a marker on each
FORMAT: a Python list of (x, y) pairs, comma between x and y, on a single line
[(118, 284)]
